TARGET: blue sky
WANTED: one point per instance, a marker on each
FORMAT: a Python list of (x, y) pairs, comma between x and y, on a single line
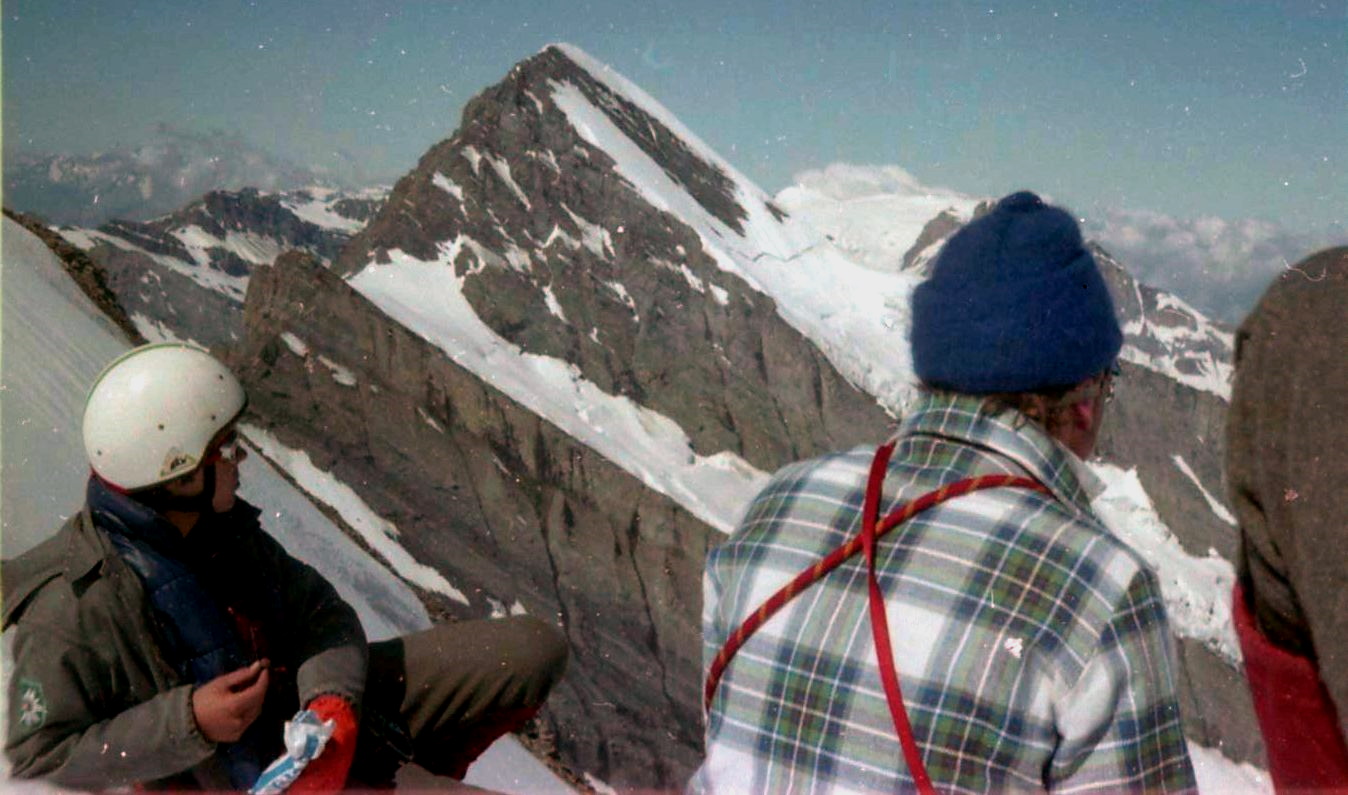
[(1231, 109)]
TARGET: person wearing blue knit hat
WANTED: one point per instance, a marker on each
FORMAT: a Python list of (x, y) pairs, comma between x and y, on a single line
[(947, 612), (1015, 303), (1016, 307)]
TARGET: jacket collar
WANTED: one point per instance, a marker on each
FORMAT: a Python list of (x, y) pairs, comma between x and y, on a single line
[(123, 514), (86, 548), (1009, 434), (112, 511), (77, 552)]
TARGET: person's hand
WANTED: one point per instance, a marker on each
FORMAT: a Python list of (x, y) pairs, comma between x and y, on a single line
[(228, 704)]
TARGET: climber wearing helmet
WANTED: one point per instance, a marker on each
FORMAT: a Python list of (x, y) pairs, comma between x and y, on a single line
[(164, 638)]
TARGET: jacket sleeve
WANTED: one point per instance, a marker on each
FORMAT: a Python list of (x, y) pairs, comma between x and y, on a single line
[(1286, 459), (1119, 724), (53, 732), (332, 650)]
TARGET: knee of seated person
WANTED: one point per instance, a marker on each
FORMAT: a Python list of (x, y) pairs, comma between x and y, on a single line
[(547, 646), (541, 652)]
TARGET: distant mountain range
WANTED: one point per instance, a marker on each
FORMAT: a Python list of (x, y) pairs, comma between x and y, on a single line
[(159, 267), (158, 176), (561, 353)]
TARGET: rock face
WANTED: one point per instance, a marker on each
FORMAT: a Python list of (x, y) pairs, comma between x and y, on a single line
[(506, 504), (1152, 422), (563, 257), (158, 268)]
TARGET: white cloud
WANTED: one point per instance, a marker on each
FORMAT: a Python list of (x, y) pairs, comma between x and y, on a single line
[(843, 181), (1219, 265)]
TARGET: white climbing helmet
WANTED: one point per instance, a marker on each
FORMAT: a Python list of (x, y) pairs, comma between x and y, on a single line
[(151, 413)]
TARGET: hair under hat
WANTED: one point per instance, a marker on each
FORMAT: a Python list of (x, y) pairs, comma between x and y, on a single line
[(1014, 303)]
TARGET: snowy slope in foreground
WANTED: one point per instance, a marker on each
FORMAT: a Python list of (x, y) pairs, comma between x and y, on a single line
[(54, 344), (43, 472)]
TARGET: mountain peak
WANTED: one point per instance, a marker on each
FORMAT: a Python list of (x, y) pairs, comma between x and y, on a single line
[(559, 112)]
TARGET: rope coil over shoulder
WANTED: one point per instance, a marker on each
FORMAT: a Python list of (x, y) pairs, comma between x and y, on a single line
[(871, 530)]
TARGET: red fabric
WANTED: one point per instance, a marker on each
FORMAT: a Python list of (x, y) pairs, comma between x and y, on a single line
[(328, 772), (1306, 751), (884, 652), (252, 635), (871, 529), (474, 741)]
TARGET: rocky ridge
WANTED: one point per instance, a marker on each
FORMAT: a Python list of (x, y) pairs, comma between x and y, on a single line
[(562, 257), (516, 511), (159, 267)]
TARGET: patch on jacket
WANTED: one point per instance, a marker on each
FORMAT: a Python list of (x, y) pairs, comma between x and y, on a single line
[(32, 704)]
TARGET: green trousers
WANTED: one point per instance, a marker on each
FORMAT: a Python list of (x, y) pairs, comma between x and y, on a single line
[(440, 697)]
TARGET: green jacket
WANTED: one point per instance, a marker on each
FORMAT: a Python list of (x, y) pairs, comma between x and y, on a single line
[(94, 704)]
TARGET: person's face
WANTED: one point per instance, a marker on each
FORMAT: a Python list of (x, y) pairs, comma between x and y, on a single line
[(225, 453), (1092, 433)]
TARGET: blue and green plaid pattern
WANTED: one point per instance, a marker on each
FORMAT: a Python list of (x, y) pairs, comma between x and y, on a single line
[(1032, 646)]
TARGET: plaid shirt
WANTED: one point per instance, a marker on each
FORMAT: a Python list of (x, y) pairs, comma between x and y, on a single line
[(1032, 646)]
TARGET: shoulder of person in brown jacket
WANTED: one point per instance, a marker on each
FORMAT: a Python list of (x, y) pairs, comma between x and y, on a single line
[(1287, 466)]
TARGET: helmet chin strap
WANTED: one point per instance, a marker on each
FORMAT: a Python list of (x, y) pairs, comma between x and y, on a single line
[(202, 502)]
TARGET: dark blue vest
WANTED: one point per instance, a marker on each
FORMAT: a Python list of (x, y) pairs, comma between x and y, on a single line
[(198, 635)]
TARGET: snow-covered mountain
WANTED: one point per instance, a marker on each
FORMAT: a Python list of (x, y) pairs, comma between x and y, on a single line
[(574, 341), (168, 169), (883, 218), (879, 216), (56, 340), (156, 267)]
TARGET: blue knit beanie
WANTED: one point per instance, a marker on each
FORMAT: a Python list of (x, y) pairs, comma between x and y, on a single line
[(1015, 303)]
